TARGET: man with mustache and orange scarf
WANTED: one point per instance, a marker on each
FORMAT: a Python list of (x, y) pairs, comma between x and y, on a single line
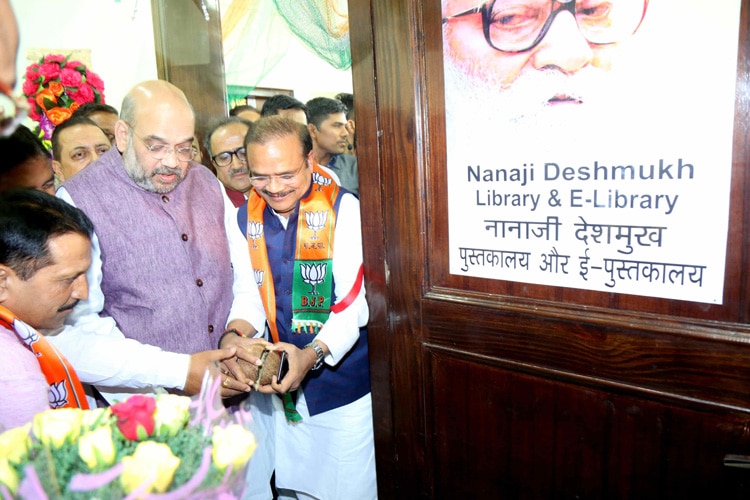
[(45, 250)]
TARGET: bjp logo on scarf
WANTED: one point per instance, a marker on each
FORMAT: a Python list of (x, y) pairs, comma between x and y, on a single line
[(313, 274), (315, 222)]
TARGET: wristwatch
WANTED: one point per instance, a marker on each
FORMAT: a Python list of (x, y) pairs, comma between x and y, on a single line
[(318, 352)]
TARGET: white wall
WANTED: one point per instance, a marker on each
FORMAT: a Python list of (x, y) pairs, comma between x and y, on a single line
[(119, 34), (308, 75)]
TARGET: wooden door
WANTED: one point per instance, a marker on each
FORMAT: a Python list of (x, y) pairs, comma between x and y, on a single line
[(494, 389), (187, 36)]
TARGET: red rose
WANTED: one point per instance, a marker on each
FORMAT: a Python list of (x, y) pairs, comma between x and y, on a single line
[(135, 416)]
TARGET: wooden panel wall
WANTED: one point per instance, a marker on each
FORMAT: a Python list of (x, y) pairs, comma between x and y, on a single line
[(489, 389)]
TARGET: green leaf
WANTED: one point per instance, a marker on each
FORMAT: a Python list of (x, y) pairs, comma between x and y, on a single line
[(142, 434)]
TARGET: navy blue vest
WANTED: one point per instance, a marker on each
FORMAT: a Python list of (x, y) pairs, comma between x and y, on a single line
[(329, 387)]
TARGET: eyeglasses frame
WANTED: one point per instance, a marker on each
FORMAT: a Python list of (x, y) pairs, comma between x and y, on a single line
[(170, 150), (261, 178), (231, 154), (485, 8)]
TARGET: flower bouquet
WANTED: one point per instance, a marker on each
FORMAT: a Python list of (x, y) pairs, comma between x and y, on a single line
[(167, 447), (55, 87)]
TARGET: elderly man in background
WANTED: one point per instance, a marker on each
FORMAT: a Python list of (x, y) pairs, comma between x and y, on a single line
[(224, 142), (45, 250), (76, 142)]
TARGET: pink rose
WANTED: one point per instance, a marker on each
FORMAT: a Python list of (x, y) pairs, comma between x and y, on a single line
[(33, 114), (54, 58), (32, 71), (94, 80), (70, 77), (84, 94), (49, 71), (76, 65), (135, 416), (30, 87)]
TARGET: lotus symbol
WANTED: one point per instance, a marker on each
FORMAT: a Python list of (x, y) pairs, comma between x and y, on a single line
[(58, 394), (258, 276), (28, 334), (320, 180), (313, 274), (254, 231), (316, 221)]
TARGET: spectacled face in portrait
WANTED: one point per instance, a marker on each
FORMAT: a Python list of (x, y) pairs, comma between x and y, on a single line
[(526, 57), (280, 172), (229, 157), (46, 298), (158, 147)]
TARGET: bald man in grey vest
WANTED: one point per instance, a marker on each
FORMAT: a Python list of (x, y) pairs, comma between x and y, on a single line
[(165, 281)]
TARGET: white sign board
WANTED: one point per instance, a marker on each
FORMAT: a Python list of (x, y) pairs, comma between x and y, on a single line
[(599, 166)]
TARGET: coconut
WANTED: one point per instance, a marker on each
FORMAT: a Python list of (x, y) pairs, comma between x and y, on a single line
[(261, 375)]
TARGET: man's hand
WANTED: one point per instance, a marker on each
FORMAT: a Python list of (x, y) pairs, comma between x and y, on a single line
[(300, 362), (241, 345), (210, 360)]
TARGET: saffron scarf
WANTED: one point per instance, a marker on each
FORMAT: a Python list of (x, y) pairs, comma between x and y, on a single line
[(312, 290), (312, 282), (65, 390)]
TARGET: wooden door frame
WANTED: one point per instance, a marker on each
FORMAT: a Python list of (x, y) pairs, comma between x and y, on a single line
[(395, 112)]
